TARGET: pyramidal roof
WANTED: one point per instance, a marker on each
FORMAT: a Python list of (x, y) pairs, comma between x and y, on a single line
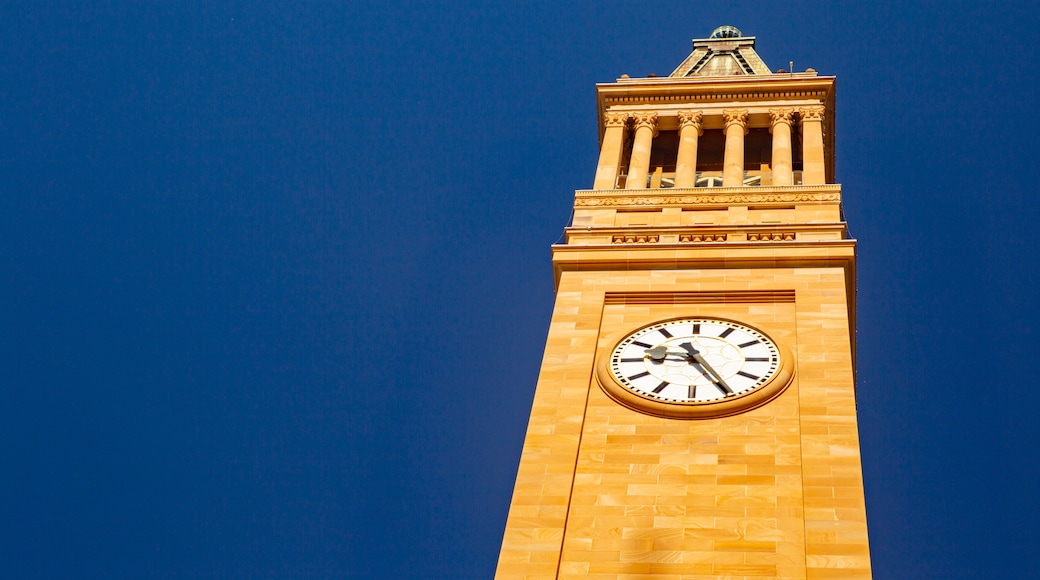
[(726, 53)]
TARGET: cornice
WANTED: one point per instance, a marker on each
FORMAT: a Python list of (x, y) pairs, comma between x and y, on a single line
[(687, 90), (685, 99), (685, 255), (707, 196), (758, 230), (793, 254)]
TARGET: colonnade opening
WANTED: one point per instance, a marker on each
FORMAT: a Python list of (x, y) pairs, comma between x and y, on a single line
[(747, 150), (711, 153)]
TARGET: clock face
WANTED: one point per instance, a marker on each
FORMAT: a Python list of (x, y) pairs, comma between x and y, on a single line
[(696, 363)]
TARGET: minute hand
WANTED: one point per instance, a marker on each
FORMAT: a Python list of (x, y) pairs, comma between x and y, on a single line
[(697, 358)]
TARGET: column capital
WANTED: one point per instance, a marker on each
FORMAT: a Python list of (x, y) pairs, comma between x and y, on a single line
[(645, 119), (736, 117), (615, 119), (811, 113), (780, 115), (691, 119)]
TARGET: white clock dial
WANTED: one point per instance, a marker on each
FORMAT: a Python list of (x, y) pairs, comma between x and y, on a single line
[(694, 360)]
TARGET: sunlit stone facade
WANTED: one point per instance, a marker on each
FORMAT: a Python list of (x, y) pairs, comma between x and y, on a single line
[(713, 200)]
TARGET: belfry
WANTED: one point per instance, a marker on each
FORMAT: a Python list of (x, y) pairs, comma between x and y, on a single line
[(695, 412)]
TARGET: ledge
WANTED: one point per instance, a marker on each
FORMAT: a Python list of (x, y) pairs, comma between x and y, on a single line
[(691, 89), (716, 233), (709, 255), (779, 194), (685, 254)]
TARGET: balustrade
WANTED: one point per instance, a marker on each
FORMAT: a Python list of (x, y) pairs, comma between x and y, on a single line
[(661, 179)]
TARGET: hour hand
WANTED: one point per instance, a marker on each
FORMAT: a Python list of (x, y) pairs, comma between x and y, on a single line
[(695, 355), (660, 352)]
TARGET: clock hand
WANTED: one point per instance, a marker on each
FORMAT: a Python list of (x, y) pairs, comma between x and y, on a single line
[(696, 357), (661, 352), (657, 353)]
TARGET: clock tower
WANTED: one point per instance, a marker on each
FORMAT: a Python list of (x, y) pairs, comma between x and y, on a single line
[(695, 413)]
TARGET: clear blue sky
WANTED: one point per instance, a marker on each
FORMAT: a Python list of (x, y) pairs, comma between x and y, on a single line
[(277, 280)]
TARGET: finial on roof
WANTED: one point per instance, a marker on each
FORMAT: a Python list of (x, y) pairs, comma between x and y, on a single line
[(726, 32)]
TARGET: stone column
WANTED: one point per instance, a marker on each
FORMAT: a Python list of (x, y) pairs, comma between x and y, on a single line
[(610, 151), (686, 161), (814, 166), (639, 164), (733, 164), (780, 127)]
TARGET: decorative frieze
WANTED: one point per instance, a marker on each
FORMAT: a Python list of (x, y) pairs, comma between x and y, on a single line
[(635, 239), (771, 237), (654, 238), (721, 199), (715, 237), (716, 96)]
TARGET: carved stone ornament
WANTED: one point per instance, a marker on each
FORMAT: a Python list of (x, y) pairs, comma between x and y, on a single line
[(645, 119), (772, 237), (747, 95), (696, 238), (614, 119), (691, 119), (720, 199), (635, 239), (736, 116), (780, 115), (811, 113)]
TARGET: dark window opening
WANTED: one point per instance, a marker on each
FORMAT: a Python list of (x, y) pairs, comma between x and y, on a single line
[(711, 150), (664, 151)]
